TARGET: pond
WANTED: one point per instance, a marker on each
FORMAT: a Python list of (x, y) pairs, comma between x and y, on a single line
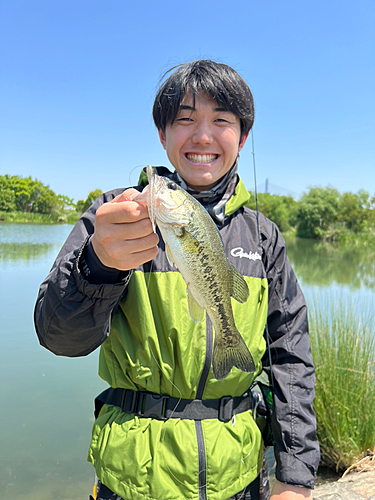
[(47, 401)]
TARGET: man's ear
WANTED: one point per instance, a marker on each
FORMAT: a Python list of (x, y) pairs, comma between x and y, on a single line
[(242, 141), (162, 138)]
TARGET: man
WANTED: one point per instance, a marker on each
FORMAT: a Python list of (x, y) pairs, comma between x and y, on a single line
[(112, 285)]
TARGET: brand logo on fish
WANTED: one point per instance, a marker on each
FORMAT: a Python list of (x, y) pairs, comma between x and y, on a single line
[(239, 252)]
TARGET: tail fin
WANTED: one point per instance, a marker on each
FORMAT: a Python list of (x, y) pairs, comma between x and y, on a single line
[(227, 356)]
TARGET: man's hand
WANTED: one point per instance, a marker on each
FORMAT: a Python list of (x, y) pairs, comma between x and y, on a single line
[(123, 238), (282, 491)]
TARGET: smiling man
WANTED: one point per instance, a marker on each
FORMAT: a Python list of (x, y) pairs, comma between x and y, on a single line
[(203, 141), (166, 429)]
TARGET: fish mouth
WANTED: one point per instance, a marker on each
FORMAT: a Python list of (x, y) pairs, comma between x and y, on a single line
[(201, 158), (159, 199)]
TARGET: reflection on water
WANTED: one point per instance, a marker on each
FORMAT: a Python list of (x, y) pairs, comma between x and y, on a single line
[(32, 234), (47, 401), (324, 264), (11, 253), (25, 244)]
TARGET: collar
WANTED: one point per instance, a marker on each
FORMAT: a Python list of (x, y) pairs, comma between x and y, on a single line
[(214, 200)]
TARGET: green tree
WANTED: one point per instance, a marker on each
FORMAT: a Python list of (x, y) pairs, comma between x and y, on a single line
[(317, 211), (7, 198), (280, 209), (24, 194), (355, 211), (68, 202), (83, 205)]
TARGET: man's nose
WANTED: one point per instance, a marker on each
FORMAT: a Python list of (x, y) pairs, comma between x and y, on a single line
[(202, 134)]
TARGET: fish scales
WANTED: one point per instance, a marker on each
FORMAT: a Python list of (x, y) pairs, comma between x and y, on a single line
[(194, 246)]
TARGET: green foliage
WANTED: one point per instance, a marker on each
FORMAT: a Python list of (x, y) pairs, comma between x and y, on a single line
[(280, 209), (322, 213), (24, 194), (83, 205), (354, 211), (24, 200), (7, 197), (343, 347), (317, 211)]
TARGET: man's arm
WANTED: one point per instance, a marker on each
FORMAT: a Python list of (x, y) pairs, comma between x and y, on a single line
[(282, 491), (293, 423), (74, 304)]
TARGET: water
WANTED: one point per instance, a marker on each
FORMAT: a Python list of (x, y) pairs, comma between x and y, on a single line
[(47, 401)]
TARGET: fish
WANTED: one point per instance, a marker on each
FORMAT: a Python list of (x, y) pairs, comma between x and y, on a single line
[(194, 246)]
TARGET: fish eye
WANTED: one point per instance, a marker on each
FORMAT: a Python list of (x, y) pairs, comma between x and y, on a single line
[(172, 185)]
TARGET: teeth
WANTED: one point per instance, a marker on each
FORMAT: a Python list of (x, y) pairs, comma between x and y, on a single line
[(201, 158)]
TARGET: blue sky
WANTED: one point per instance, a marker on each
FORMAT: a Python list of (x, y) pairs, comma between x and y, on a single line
[(78, 78)]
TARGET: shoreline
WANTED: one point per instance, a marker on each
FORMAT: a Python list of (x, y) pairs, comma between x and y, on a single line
[(353, 486)]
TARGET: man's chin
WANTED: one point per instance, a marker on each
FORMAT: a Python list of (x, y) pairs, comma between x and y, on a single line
[(201, 185)]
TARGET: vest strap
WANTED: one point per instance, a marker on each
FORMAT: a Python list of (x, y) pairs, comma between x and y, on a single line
[(146, 404)]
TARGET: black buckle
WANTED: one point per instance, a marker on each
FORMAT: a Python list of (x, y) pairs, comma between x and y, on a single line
[(151, 405), (226, 409), (129, 400)]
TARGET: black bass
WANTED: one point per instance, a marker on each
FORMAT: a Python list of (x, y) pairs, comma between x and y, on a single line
[(193, 245)]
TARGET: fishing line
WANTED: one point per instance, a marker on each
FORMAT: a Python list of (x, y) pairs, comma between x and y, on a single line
[(255, 186), (260, 245), (131, 172)]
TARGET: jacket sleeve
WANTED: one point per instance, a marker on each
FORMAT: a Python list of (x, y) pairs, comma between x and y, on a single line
[(72, 316), (293, 374)]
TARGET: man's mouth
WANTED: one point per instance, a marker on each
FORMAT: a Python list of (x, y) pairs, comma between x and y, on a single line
[(196, 158)]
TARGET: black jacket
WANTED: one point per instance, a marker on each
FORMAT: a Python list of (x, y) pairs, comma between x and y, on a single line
[(73, 316)]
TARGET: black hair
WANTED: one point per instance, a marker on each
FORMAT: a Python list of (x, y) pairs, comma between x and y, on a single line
[(203, 76)]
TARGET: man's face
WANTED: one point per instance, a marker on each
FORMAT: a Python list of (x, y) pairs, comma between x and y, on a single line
[(203, 142)]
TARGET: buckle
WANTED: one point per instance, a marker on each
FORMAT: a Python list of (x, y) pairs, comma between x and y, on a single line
[(128, 403), (151, 405), (226, 408)]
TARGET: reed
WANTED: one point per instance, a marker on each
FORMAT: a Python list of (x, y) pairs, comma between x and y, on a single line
[(343, 345), (66, 217)]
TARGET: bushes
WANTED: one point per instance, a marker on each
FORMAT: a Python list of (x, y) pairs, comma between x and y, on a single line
[(25, 200), (343, 347), (322, 213), (280, 209)]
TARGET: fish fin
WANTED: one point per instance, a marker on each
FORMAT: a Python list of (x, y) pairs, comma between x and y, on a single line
[(188, 242), (168, 253), (196, 312), (240, 290), (225, 357)]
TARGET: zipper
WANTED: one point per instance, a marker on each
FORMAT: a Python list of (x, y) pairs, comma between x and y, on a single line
[(198, 423), (201, 460)]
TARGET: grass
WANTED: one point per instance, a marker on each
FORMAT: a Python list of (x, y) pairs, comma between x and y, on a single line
[(67, 217), (343, 346), (346, 237)]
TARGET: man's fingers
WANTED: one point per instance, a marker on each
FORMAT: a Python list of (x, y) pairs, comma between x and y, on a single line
[(142, 244), (127, 195), (125, 231), (124, 236), (136, 259), (126, 254), (119, 212)]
